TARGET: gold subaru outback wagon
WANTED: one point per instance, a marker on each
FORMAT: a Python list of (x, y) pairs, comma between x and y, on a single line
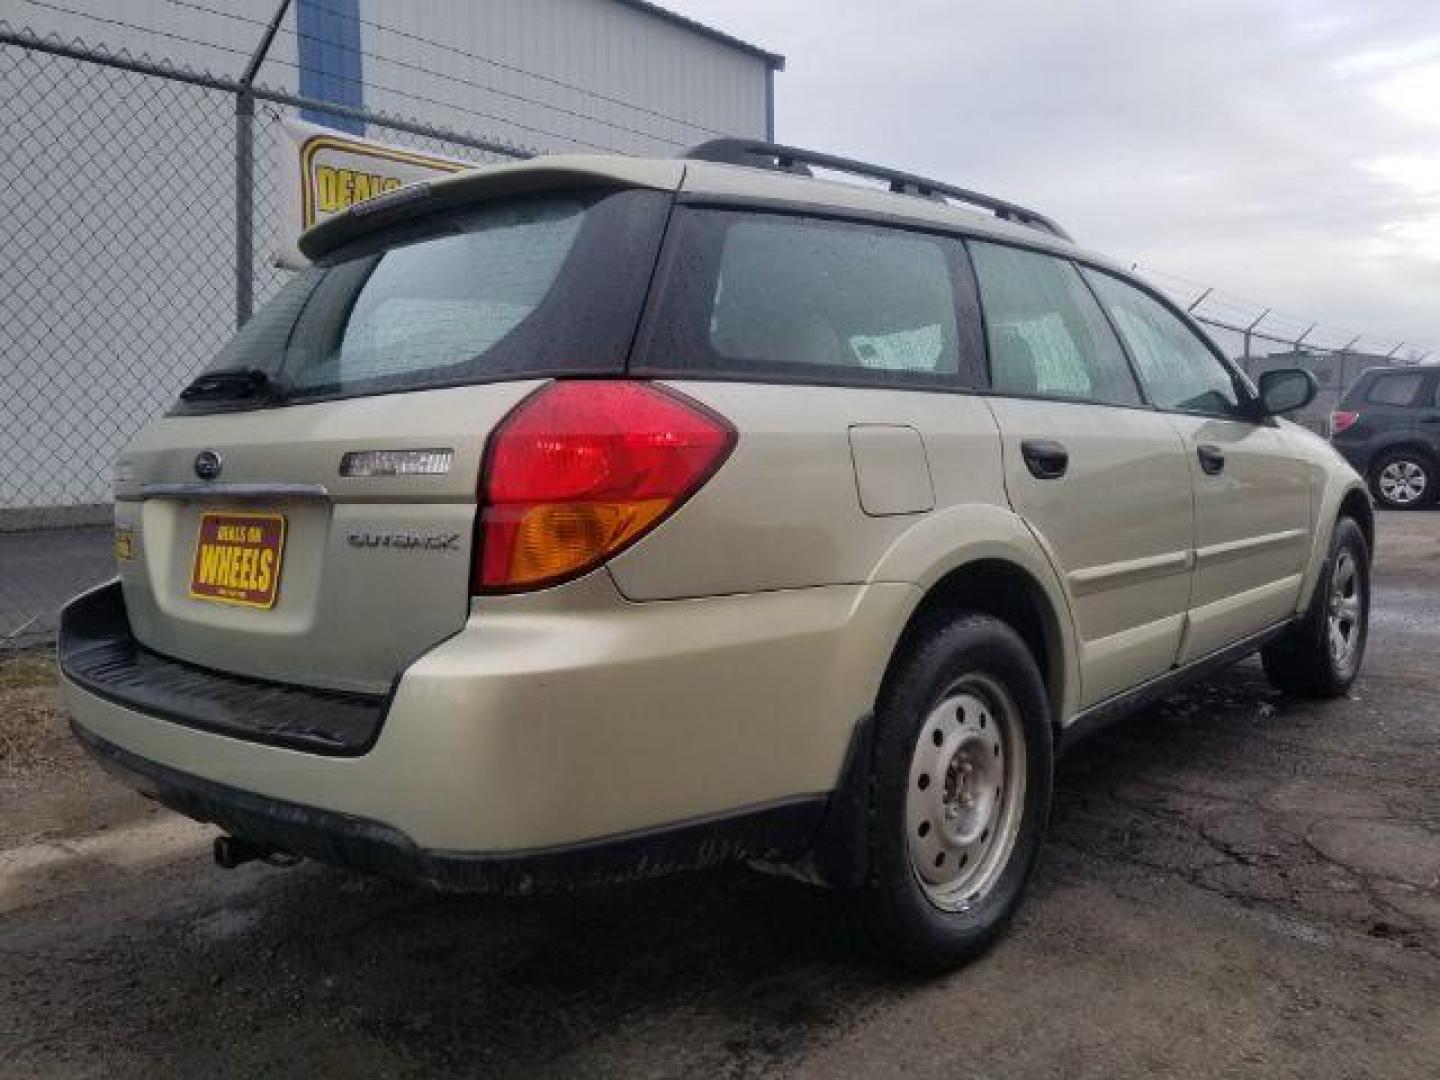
[(591, 517)]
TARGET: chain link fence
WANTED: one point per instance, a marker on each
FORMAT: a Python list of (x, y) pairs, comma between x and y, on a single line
[(119, 280)]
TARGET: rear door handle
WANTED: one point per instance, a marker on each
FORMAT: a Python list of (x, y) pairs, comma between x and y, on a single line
[(1045, 459), (1212, 459)]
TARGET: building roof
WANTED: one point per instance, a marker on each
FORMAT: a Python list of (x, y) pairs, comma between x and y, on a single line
[(775, 60)]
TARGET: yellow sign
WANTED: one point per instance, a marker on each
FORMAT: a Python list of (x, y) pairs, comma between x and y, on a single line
[(336, 171)]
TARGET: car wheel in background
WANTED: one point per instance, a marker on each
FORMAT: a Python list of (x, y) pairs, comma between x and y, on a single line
[(961, 788), (1403, 480), (1321, 655)]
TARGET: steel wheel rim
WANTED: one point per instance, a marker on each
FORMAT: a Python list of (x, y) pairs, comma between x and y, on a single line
[(1403, 482), (966, 793), (1346, 609)]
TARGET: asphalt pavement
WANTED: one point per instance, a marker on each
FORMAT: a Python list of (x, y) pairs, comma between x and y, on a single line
[(41, 570)]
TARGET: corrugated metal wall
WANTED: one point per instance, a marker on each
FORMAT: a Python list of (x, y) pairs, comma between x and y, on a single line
[(563, 74)]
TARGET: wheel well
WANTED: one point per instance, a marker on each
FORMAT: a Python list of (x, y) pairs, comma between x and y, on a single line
[(1357, 505), (993, 587), (1003, 590), (1420, 450)]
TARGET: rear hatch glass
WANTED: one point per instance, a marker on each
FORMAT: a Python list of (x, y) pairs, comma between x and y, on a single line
[(547, 285)]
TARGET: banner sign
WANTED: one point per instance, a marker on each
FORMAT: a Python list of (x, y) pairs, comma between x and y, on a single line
[(328, 171)]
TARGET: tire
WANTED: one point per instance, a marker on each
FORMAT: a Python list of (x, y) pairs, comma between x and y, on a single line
[(1305, 661), (1403, 480), (961, 784)]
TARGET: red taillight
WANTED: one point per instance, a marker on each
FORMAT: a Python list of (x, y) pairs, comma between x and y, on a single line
[(580, 469), (1341, 420)]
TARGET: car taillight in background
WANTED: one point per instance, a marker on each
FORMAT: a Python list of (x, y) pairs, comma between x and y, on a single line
[(580, 470), (1341, 420)]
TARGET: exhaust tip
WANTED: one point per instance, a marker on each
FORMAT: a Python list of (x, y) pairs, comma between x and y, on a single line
[(232, 851)]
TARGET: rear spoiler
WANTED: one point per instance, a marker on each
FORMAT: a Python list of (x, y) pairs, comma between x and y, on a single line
[(485, 182)]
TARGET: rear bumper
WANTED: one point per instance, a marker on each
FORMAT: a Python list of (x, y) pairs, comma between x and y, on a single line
[(99, 653), (779, 832), (695, 730)]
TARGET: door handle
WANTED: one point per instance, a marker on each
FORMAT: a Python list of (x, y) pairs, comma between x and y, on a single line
[(1045, 459), (1431, 420), (1212, 459)]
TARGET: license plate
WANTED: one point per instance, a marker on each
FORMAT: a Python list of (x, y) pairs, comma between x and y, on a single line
[(237, 559)]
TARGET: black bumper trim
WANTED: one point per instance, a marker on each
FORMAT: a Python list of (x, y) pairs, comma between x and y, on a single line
[(99, 653), (779, 831)]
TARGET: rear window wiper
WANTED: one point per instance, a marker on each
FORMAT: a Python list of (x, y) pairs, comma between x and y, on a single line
[(232, 384)]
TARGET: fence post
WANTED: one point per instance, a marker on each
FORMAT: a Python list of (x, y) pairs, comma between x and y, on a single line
[(1249, 330), (245, 173)]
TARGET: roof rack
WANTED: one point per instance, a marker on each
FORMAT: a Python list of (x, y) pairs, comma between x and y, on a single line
[(763, 155)]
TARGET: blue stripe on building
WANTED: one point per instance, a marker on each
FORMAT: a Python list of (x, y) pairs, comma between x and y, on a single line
[(328, 40)]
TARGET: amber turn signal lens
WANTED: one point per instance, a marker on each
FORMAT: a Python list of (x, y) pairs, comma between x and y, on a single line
[(555, 539)]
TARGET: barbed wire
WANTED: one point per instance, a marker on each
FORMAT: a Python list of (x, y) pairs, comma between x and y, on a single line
[(465, 110), (122, 24), (1217, 308), (431, 73), (77, 48), (504, 66)]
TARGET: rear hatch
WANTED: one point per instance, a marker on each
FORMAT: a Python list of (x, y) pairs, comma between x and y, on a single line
[(306, 511)]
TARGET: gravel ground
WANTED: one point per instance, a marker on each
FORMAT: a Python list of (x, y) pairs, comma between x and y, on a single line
[(1237, 884)]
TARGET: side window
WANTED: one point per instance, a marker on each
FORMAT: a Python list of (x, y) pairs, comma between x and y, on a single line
[(1047, 335), (1178, 369), (1395, 389), (812, 292), (815, 300)]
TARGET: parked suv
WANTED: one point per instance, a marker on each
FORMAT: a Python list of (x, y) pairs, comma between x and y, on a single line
[(1388, 427), (591, 517)]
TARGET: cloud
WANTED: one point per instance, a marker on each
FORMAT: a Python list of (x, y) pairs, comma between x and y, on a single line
[(1285, 150), (1414, 92)]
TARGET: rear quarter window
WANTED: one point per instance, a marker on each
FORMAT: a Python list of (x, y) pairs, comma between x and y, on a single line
[(792, 298), (1395, 389)]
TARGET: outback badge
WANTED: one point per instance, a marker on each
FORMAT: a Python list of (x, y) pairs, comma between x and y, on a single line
[(405, 541)]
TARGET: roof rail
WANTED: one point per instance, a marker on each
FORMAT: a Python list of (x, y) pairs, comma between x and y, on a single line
[(763, 155)]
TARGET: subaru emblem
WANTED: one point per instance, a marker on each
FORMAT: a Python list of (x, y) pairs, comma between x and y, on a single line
[(208, 464)]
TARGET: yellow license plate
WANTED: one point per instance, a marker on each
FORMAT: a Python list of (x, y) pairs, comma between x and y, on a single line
[(237, 559)]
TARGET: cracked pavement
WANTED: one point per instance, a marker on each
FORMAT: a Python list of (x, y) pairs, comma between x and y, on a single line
[(1236, 884)]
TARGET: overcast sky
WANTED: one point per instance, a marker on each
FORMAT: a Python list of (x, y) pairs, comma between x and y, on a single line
[(1287, 151)]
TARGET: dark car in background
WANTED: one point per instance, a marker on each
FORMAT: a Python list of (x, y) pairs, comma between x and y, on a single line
[(1388, 427)]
